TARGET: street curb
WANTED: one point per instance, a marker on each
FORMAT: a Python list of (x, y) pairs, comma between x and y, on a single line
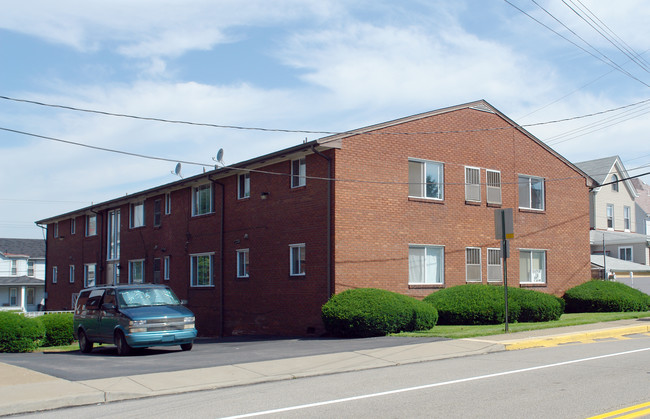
[(574, 337)]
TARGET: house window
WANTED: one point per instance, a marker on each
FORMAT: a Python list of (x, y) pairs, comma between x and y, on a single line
[(473, 264), (71, 274), (242, 263), (157, 215), (426, 179), (13, 296), (113, 227), (625, 253), (156, 271), (426, 265), (30, 268), (91, 225), (531, 192), (244, 186), (137, 215), (201, 270), (627, 217), (73, 227), (54, 274), (532, 266), (89, 274), (166, 268), (614, 183), (202, 199), (298, 172), (493, 187), (297, 259), (30, 296), (472, 184), (168, 203), (14, 268), (610, 216), (136, 271), (494, 265), (55, 230)]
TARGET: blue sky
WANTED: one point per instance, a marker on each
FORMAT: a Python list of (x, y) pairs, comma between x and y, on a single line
[(298, 65)]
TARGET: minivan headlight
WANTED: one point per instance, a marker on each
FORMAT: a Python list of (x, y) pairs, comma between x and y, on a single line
[(137, 326), (189, 322)]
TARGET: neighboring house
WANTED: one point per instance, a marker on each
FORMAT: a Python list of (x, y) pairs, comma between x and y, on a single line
[(22, 274), (613, 212), (642, 206), (406, 205)]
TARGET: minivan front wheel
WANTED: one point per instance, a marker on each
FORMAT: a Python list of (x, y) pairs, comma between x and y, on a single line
[(85, 345), (123, 347), (186, 346)]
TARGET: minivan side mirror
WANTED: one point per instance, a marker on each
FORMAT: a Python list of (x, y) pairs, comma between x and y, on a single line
[(108, 307), (183, 302)]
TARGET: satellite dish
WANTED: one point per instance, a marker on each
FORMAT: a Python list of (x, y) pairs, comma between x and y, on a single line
[(177, 170), (219, 158)]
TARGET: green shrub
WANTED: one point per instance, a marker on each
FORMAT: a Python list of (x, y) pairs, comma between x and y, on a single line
[(58, 329), (369, 312), (605, 296), (19, 333), (536, 306), (472, 304)]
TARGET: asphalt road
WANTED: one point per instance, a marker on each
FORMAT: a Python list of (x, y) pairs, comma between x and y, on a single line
[(570, 381), (103, 362)]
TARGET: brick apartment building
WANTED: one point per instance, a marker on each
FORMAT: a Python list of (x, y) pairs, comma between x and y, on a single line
[(406, 205)]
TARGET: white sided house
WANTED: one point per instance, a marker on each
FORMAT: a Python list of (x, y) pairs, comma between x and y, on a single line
[(22, 274)]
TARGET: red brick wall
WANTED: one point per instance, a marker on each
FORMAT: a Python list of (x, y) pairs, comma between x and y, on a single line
[(376, 222)]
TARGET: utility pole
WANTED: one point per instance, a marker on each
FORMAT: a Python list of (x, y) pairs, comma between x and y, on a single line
[(503, 228)]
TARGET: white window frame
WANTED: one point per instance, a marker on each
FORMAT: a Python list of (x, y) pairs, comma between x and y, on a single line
[(194, 280), (157, 212), (493, 186), (168, 203), (30, 268), (298, 172), (614, 182), (113, 234), (244, 185), (472, 184), (13, 295), (14, 267), (30, 296), (297, 259), (198, 197), (90, 280), (136, 214), (609, 216), (166, 266), (417, 178), (495, 267), (71, 273), (526, 185), (470, 253), (132, 271), (91, 225), (417, 260), (73, 225), (55, 229), (626, 248), (627, 218), (243, 262), (531, 278), (55, 272)]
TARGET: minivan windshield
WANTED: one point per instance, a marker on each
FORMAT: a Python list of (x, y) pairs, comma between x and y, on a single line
[(141, 297)]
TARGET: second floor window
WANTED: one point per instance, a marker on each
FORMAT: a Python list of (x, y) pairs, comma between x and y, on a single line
[(493, 187), (426, 179), (244, 186), (531, 192), (472, 184), (298, 173), (71, 274), (610, 216), (627, 218), (55, 272), (91, 225), (30, 268), (73, 222), (137, 214), (202, 199), (157, 204), (242, 263), (14, 268)]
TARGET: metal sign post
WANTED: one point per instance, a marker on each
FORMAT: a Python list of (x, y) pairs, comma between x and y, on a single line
[(503, 227)]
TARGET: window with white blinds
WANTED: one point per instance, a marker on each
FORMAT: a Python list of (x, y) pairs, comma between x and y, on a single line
[(473, 184), (493, 187)]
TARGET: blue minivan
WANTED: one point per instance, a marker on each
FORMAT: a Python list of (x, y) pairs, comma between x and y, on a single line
[(132, 316)]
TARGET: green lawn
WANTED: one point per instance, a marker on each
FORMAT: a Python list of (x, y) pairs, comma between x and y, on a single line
[(570, 319)]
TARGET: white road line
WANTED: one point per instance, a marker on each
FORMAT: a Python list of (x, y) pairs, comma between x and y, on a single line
[(445, 383)]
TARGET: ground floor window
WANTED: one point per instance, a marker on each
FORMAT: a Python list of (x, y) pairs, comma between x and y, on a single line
[(532, 266), (242, 263), (89, 274), (13, 297), (426, 265), (30, 296), (473, 264), (201, 270), (136, 271), (494, 265), (297, 259)]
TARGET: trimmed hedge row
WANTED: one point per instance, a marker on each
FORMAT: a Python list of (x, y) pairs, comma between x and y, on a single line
[(367, 312), (25, 334), (475, 304), (605, 296)]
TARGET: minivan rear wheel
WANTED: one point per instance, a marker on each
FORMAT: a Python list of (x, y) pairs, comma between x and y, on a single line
[(123, 347), (85, 345)]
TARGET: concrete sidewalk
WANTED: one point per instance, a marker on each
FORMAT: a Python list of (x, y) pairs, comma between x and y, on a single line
[(23, 390)]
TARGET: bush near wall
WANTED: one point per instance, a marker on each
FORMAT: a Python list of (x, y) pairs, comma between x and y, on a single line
[(58, 329), (19, 333), (476, 304), (367, 312), (605, 296)]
